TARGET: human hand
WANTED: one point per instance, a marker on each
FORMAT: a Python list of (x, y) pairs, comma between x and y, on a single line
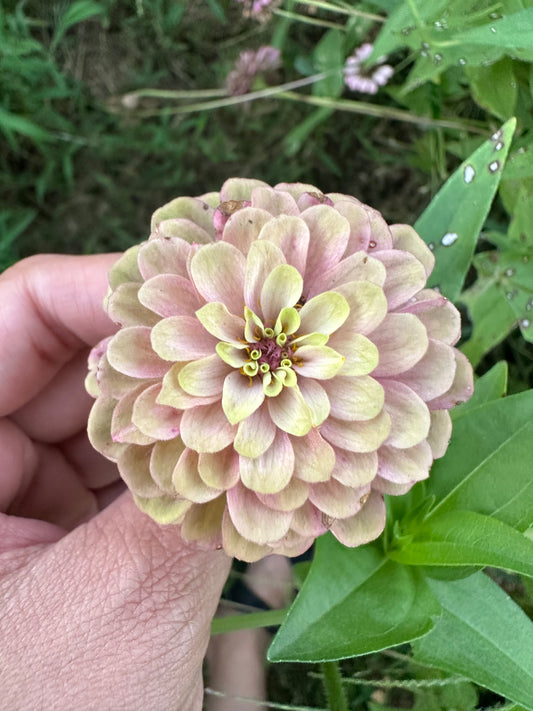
[(102, 608)]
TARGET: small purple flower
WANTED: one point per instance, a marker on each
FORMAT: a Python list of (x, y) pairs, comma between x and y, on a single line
[(259, 9), (359, 78), (250, 64)]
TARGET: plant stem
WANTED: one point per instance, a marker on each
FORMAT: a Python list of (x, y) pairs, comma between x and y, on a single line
[(343, 11), (333, 687)]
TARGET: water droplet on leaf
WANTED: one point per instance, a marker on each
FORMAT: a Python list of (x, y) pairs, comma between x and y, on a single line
[(431, 246), (509, 272), (462, 61), (449, 238), (469, 174), (494, 166), (525, 323)]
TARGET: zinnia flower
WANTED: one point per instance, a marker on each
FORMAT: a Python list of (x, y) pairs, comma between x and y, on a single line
[(367, 81), (249, 65), (279, 367)]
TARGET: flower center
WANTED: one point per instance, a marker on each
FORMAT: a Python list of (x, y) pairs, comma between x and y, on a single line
[(271, 353)]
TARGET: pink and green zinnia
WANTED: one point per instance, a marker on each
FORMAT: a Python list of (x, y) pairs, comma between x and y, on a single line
[(280, 365)]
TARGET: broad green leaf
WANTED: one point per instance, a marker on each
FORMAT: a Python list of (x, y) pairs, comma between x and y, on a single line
[(483, 635), (354, 601), (75, 12), (458, 538), (491, 386), (328, 57), (487, 467), (494, 87), (451, 223)]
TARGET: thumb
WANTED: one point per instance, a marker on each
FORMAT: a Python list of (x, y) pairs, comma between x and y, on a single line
[(122, 611)]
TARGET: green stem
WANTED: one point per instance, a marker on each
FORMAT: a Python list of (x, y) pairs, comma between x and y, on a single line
[(343, 11), (333, 687), (310, 20), (232, 623)]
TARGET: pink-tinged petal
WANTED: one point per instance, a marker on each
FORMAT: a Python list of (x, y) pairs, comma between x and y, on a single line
[(212, 199), (188, 483), (365, 526), (381, 237), (254, 520), (123, 307), (336, 500), (357, 436), (290, 412), (368, 305), (271, 471), (402, 341), (282, 288), (297, 189), (181, 338), (203, 522), (341, 197), (355, 398), (163, 461), (126, 269), (442, 323), (320, 362), (255, 434), (291, 235), (164, 256), (243, 227), (425, 300), (184, 229), (316, 399), (402, 466), (292, 544), (130, 352), (134, 468), (99, 428), (169, 295), (433, 374), (241, 396), (115, 384), (240, 188), (219, 470), (154, 420), (406, 239), (440, 432), (122, 427), (462, 386), (310, 521), (324, 313), (163, 509), (405, 276), (309, 199), (329, 238), (217, 320), (290, 498), (360, 354), (204, 377), (206, 428), (237, 546), (174, 395), (353, 468), (387, 487), (358, 267), (314, 457), (277, 202), (218, 273), (360, 231), (409, 415), (185, 207), (263, 257)]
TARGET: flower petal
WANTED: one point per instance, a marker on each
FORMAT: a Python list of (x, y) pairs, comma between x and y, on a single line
[(277, 202), (324, 313), (219, 322), (263, 257), (164, 256), (219, 470), (405, 276), (130, 352), (254, 520), (358, 267), (238, 546), (241, 396), (125, 269), (243, 227), (188, 483), (443, 323), (357, 436), (291, 235), (169, 295), (367, 303), (282, 288), (365, 526), (255, 434), (316, 399), (203, 522), (181, 338), (402, 466), (154, 420), (174, 395), (440, 432), (123, 307), (218, 273), (189, 208), (433, 375), (405, 238), (462, 386), (360, 231), (355, 398), (204, 377), (99, 428), (320, 362), (310, 521), (409, 416), (134, 467), (206, 428), (271, 471), (381, 237), (360, 354), (122, 427), (163, 509), (314, 457), (290, 498), (240, 188), (402, 341), (184, 229), (163, 461), (336, 500), (353, 468), (290, 412), (329, 237)]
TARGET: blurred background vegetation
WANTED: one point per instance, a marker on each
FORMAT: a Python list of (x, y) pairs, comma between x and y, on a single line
[(109, 108)]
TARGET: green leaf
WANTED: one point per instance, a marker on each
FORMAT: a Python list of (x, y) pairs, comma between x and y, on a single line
[(458, 538), (75, 13), (354, 601), (483, 635), (452, 221), (13, 123), (247, 621), (491, 386), (328, 57), (487, 467), (494, 87)]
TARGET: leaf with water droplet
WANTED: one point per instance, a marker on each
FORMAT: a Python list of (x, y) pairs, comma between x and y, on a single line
[(461, 208)]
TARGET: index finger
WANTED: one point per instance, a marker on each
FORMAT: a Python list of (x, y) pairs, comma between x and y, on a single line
[(50, 308)]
